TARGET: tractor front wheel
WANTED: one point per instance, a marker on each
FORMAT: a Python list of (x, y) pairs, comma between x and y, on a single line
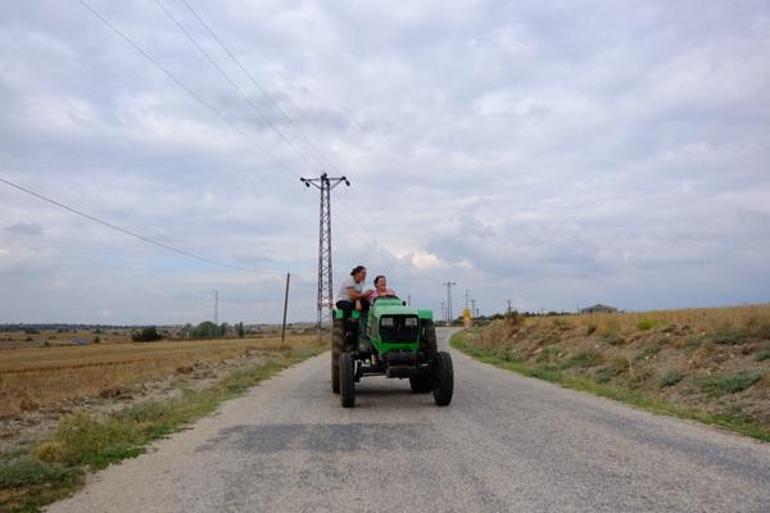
[(443, 379), (347, 380)]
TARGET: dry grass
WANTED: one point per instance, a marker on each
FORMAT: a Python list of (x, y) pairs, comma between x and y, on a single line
[(749, 318), (33, 378), (714, 360)]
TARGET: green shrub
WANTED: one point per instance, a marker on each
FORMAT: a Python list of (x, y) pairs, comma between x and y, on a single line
[(762, 355), (548, 353), (27, 471), (616, 367), (692, 344), (670, 378), (728, 335), (97, 443), (640, 378), (614, 339), (729, 384), (147, 334), (647, 324), (648, 352), (584, 359), (511, 355)]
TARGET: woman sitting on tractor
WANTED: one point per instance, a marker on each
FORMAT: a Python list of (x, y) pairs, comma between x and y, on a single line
[(380, 289)]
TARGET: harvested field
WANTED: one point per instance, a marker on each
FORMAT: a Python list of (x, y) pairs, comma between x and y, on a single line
[(37, 378)]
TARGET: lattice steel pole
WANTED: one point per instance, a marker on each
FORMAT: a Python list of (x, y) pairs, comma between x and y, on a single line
[(448, 286), (325, 184)]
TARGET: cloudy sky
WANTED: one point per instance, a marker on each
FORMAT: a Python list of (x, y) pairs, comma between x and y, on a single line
[(557, 155)]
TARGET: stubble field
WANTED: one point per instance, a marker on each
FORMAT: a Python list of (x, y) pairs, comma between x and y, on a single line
[(39, 377)]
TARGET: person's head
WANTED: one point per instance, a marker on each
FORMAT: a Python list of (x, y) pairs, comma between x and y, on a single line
[(380, 283), (358, 273)]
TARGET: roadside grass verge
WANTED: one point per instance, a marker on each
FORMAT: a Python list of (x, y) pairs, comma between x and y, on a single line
[(734, 420), (55, 468)]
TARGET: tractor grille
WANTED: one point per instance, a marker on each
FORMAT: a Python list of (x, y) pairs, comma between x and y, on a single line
[(399, 328)]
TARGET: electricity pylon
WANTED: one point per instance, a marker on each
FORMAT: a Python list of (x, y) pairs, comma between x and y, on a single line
[(448, 286), (325, 184)]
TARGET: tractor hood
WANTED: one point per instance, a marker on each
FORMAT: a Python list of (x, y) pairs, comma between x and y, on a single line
[(395, 306)]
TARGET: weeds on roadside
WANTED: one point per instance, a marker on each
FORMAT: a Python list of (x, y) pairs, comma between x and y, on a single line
[(584, 359), (615, 368), (648, 352), (614, 339), (728, 384), (726, 334), (732, 418), (670, 378), (762, 355)]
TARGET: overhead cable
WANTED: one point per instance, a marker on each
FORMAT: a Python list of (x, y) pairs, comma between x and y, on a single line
[(124, 231), (185, 87)]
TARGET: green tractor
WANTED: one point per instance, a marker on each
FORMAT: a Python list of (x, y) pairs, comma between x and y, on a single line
[(392, 340)]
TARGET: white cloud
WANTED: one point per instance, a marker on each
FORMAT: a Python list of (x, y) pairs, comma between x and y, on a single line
[(558, 154)]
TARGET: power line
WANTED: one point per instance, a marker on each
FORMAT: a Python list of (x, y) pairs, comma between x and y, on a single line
[(243, 94), (258, 86), (224, 75), (184, 86), (252, 79), (125, 231)]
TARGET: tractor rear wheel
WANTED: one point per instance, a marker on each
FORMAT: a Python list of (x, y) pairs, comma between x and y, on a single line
[(421, 384), (443, 379), (347, 380), (338, 336)]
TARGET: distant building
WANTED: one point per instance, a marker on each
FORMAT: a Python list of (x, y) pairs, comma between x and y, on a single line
[(598, 308)]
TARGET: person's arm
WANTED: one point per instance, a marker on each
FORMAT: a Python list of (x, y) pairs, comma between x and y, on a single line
[(354, 295)]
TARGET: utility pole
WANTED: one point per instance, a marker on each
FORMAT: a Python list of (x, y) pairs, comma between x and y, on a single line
[(325, 184), (409, 300), (443, 311), (285, 308), (448, 286), (509, 307), (216, 307), (467, 295)]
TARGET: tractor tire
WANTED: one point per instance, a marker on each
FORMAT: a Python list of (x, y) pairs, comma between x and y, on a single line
[(338, 337), (443, 379), (347, 380), (421, 384), (428, 340)]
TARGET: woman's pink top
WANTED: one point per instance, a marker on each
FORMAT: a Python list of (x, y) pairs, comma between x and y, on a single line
[(374, 295)]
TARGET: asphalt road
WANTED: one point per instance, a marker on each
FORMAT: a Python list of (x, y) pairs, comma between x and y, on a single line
[(506, 443)]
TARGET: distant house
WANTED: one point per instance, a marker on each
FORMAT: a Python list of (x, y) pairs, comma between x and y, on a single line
[(598, 308)]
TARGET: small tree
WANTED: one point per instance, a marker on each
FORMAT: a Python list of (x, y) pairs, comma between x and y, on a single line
[(206, 329), (147, 334)]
